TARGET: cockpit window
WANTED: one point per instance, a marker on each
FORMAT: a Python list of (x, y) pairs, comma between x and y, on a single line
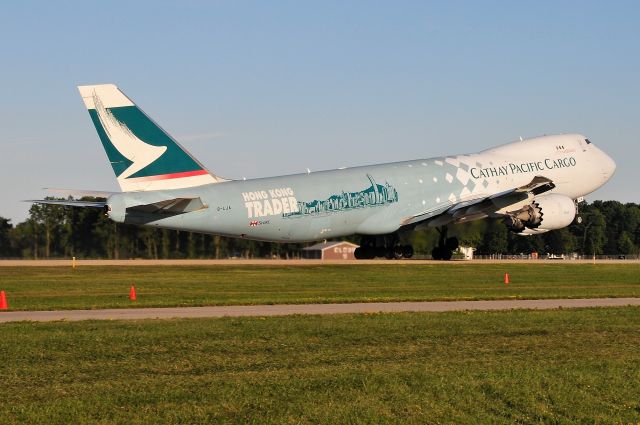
[(588, 141)]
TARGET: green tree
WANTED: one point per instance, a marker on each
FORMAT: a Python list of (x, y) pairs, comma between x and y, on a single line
[(626, 245), (614, 213), (48, 225), (6, 249), (560, 241), (495, 238), (594, 237), (470, 233)]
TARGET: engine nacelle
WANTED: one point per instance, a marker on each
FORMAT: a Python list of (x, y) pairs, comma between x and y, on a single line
[(547, 212)]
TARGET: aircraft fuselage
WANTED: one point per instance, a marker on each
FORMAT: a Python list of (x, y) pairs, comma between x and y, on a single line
[(376, 199)]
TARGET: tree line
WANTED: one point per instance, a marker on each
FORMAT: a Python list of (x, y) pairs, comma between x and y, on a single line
[(51, 231)]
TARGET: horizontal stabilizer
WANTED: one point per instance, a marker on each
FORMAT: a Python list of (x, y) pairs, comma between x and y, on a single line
[(79, 193), (82, 204), (170, 206), (165, 206)]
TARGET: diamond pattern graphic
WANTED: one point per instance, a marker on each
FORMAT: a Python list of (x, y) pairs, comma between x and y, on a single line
[(453, 162), (462, 176)]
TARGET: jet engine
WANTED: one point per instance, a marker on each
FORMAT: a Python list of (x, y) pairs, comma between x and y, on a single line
[(547, 212)]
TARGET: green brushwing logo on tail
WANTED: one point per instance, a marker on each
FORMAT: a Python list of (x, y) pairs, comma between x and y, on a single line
[(138, 147)]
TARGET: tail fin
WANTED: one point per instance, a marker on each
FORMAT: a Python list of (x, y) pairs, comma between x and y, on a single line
[(143, 155)]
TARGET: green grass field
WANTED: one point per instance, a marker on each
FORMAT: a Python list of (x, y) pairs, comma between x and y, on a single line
[(48, 288), (563, 366)]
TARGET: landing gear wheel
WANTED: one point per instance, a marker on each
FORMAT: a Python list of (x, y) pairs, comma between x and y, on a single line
[(452, 243), (385, 246), (370, 253), (364, 253), (446, 246)]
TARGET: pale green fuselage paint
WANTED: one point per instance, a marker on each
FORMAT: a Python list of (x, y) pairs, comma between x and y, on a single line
[(372, 200)]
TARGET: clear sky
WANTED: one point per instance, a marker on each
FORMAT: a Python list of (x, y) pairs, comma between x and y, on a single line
[(264, 88)]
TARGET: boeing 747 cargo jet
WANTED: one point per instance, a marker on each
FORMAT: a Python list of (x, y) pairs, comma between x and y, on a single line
[(532, 184)]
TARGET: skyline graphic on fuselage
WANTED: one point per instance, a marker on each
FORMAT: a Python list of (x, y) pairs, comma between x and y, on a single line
[(373, 196)]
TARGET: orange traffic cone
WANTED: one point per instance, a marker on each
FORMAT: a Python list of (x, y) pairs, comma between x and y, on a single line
[(132, 293), (3, 301), (506, 278)]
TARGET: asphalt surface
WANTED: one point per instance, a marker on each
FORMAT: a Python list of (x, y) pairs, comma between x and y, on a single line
[(291, 309)]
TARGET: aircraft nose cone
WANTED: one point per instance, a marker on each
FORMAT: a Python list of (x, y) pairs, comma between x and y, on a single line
[(608, 166)]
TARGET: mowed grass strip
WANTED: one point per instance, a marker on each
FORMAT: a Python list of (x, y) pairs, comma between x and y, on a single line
[(51, 288), (578, 366)]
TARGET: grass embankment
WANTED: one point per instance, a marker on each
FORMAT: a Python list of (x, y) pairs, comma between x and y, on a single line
[(50, 288), (578, 366)]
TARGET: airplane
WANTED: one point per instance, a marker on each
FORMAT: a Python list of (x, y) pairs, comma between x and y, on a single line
[(533, 184)]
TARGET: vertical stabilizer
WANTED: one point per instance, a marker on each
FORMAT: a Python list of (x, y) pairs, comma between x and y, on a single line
[(143, 155)]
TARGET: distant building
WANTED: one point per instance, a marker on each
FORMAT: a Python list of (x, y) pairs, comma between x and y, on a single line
[(330, 251)]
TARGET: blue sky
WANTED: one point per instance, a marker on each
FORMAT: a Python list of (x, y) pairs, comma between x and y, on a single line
[(268, 88)]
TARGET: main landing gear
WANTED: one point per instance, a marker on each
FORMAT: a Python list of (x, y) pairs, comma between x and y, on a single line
[(387, 246), (446, 246)]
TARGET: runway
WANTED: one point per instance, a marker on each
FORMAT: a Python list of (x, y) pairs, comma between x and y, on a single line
[(314, 309), (294, 262)]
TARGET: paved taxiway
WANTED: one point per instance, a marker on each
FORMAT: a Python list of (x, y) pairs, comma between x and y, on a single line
[(291, 309)]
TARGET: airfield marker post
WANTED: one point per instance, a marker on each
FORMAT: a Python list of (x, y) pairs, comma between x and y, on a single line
[(73, 263)]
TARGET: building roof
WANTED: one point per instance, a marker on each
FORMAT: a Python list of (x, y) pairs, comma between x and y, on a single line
[(326, 245)]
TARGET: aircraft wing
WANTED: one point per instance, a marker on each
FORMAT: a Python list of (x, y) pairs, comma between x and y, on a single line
[(480, 206)]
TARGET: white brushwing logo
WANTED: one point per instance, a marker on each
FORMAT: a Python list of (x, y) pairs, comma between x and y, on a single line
[(128, 144)]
